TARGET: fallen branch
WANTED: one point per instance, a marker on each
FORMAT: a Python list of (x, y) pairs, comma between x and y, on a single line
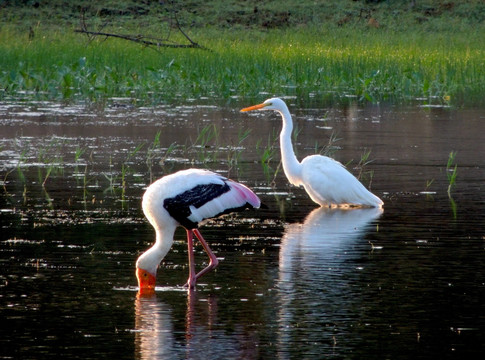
[(141, 39), (145, 40)]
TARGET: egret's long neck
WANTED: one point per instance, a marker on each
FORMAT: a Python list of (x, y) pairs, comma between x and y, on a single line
[(291, 165)]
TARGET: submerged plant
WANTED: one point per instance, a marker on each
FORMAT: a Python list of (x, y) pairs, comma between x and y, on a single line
[(428, 184), (125, 167), (78, 153), (110, 177), (119, 182), (234, 154), (171, 148), (151, 153), (18, 167), (363, 162), (53, 162), (427, 190), (330, 148), (269, 151), (207, 135), (154, 150), (451, 171), (77, 159), (267, 154)]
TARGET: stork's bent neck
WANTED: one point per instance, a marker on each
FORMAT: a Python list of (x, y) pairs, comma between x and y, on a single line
[(151, 258), (164, 240)]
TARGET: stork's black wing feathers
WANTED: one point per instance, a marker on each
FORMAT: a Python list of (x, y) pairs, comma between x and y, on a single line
[(179, 206)]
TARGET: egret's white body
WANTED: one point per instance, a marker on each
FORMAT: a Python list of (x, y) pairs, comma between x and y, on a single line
[(326, 181), (186, 198)]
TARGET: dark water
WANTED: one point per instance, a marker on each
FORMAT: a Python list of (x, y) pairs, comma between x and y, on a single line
[(294, 281)]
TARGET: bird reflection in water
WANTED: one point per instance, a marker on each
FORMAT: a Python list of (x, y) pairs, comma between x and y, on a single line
[(314, 269), (199, 325), (155, 335)]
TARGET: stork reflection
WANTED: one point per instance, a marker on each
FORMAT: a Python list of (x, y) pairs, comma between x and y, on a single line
[(156, 336), (316, 265), (154, 332)]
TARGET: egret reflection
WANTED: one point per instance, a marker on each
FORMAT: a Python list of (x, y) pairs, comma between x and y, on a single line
[(316, 266), (324, 232)]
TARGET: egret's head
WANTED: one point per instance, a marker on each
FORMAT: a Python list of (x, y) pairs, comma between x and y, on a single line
[(270, 104)]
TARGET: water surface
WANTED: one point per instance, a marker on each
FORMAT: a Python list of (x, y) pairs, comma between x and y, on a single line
[(294, 280)]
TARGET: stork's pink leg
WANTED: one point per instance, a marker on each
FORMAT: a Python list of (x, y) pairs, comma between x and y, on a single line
[(192, 277), (213, 262)]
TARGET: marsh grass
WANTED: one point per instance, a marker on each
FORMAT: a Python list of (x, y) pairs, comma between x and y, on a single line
[(152, 153), (266, 154), (324, 64), (451, 171), (207, 144), (235, 150), (330, 148), (427, 189), (50, 155)]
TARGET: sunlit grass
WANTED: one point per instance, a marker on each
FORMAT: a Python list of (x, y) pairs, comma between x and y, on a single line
[(333, 64)]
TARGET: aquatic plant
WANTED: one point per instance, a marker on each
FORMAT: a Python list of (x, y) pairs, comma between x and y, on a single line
[(451, 171), (235, 151), (207, 135), (427, 190), (168, 151), (125, 166), (118, 182), (50, 156), (18, 167), (363, 162), (110, 176), (151, 153), (267, 153), (155, 151), (329, 148), (78, 153)]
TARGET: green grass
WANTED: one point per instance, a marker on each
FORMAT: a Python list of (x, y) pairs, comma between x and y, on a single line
[(451, 171), (321, 62)]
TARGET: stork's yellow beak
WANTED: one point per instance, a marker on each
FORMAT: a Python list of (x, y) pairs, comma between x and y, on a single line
[(255, 107)]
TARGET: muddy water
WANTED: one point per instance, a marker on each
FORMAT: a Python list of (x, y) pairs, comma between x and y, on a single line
[(294, 281)]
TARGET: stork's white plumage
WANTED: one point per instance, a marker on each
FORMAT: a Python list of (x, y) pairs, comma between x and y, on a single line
[(186, 198), (326, 181)]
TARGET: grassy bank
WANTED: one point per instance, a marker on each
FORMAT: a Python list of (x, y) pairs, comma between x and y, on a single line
[(327, 62)]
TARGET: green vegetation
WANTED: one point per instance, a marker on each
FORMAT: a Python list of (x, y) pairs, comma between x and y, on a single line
[(451, 171), (336, 51)]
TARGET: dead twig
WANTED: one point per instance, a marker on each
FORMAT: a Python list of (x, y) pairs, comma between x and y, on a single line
[(140, 39), (155, 43)]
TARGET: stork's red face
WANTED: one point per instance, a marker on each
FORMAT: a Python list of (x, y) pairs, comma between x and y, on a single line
[(146, 281)]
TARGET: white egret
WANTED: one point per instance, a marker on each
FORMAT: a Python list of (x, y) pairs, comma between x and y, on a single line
[(326, 180)]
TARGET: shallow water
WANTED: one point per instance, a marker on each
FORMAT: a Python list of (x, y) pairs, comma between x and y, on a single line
[(294, 280)]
